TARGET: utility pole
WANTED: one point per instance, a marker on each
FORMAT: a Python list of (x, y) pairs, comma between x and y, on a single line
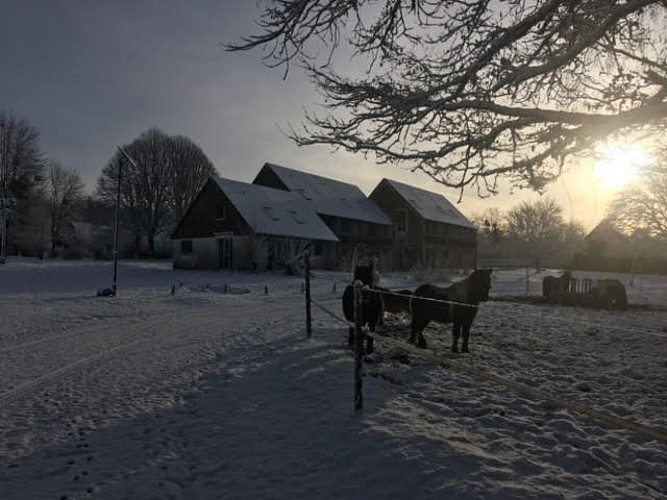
[(117, 216)]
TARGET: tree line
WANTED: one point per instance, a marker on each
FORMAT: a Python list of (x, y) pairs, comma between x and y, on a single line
[(48, 198), (170, 170), (535, 231), (539, 231)]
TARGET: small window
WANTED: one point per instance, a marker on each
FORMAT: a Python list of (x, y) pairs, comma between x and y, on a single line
[(399, 221), (186, 246), (302, 192), (296, 217), (269, 212), (220, 212)]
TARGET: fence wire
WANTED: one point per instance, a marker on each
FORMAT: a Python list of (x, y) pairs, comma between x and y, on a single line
[(446, 361)]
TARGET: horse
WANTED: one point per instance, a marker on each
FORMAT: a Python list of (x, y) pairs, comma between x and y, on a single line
[(396, 301), (610, 294), (462, 299), (553, 287), (371, 303)]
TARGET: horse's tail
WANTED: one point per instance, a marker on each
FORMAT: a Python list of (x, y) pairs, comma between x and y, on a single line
[(348, 303)]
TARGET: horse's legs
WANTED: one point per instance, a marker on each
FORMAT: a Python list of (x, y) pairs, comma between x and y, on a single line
[(422, 340), (456, 333), (369, 344), (466, 336), (417, 332)]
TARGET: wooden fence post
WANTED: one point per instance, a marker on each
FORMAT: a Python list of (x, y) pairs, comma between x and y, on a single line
[(358, 348), (309, 322)]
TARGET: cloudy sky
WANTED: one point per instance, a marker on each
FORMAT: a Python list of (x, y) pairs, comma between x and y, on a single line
[(92, 74)]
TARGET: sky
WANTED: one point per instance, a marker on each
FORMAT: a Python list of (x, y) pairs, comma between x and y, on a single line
[(90, 75)]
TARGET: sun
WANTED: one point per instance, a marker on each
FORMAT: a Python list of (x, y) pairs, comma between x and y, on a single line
[(617, 165)]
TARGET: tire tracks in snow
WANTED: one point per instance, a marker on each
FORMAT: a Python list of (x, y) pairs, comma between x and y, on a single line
[(205, 317), (81, 331), (55, 375)]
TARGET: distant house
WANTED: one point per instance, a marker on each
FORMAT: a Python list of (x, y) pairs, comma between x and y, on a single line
[(361, 227), (237, 225), (607, 241), (428, 230), (607, 249)]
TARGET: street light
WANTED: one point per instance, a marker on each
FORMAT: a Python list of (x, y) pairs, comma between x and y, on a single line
[(117, 216), (111, 292)]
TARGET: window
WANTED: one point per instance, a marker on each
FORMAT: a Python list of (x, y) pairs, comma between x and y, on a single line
[(269, 212), (302, 192), (220, 212), (445, 255), (186, 246), (296, 217), (400, 221)]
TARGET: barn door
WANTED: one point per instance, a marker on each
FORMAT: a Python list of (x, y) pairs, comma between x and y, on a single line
[(225, 253)]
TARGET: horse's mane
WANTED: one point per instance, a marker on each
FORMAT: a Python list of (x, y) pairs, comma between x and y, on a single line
[(463, 290)]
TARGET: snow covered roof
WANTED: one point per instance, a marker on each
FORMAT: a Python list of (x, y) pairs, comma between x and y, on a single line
[(606, 231), (275, 212), (429, 205), (330, 197)]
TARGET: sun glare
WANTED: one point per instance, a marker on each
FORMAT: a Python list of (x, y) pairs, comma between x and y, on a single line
[(618, 165)]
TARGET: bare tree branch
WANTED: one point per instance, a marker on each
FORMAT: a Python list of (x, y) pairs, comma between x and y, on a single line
[(468, 91)]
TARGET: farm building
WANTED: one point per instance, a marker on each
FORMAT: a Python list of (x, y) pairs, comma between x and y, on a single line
[(361, 227), (428, 229), (607, 249), (237, 225)]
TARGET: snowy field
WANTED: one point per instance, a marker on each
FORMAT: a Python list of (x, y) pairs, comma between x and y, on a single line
[(205, 394)]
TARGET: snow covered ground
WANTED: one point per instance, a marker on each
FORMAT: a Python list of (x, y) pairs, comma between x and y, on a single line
[(206, 394)]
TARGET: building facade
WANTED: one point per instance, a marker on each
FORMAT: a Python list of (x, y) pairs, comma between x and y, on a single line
[(236, 225), (363, 230), (428, 230)]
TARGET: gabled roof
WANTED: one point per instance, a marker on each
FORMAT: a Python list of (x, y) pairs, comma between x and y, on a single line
[(275, 212), (606, 231), (429, 205), (330, 197)]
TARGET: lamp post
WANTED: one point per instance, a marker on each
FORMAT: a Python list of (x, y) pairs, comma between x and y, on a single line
[(117, 216)]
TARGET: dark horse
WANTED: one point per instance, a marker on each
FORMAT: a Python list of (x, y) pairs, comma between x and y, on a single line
[(460, 308), (371, 309), (554, 287)]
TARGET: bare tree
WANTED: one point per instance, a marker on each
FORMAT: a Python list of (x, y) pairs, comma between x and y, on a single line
[(642, 206), (289, 251), (190, 168), (21, 161), (170, 171), (21, 168), (540, 229), (144, 188), (489, 222), (469, 91), (64, 193), (535, 222)]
